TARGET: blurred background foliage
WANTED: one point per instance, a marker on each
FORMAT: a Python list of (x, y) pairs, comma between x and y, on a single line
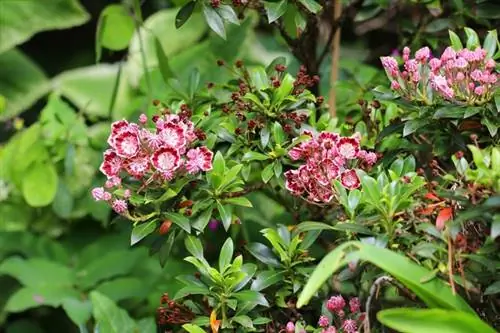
[(69, 68)]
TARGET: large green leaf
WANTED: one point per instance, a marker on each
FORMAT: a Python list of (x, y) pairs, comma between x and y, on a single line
[(432, 321), (38, 272), (161, 26), (40, 184), (19, 20), (22, 82), (79, 311), (91, 90), (32, 297), (109, 317), (123, 288), (434, 293), (114, 29)]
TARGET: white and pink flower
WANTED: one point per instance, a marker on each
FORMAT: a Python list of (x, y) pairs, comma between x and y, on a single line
[(199, 159)]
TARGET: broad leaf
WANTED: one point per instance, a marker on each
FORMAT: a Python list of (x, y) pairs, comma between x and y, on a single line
[(226, 254), (40, 184), (275, 10), (432, 321), (214, 20), (114, 29), (20, 20), (109, 317)]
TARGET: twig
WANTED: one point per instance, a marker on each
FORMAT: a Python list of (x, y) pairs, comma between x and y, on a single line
[(374, 291), (337, 10)]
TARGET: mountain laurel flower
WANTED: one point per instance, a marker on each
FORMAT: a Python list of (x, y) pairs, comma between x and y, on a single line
[(199, 159), (354, 305), (454, 76), (349, 326), (423, 54), (335, 303), (98, 193), (290, 327), (323, 321), (119, 206), (151, 156), (329, 329), (326, 157)]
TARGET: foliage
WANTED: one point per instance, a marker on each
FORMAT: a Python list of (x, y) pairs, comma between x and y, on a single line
[(203, 134)]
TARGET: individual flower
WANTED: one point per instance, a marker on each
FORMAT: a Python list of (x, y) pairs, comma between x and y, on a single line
[(395, 85), (348, 148), (126, 144), (111, 164), (138, 166), (349, 179), (349, 326), (199, 159), (290, 327), (143, 118), (173, 135), (440, 84), (335, 303), (119, 206), (98, 193), (323, 321), (127, 194), (329, 329), (166, 159), (354, 305), (423, 54)]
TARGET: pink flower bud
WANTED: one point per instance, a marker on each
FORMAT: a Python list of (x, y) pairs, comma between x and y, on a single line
[(143, 118), (479, 90), (395, 85), (323, 321), (460, 76), (290, 327)]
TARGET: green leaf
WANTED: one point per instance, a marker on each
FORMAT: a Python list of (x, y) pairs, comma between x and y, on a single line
[(371, 190), (279, 135), (490, 43), (495, 227), (259, 79), (252, 297), (239, 201), (472, 39), (264, 136), (142, 230), (456, 44), (227, 13), (244, 321), (412, 125), (214, 21), (163, 64), (40, 184), (160, 26), (190, 328), (79, 311), (122, 288), (191, 290), (109, 317), (226, 254), (266, 279), (184, 14), (492, 128), (22, 82), (20, 20), (311, 6), (449, 112), (230, 176), (267, 173), (63, 201), (278, 169), (38, 272), (166, 248), (263, 254), (114, 28), (432, 321), (275, 10), (254, 156), (435, 293), (32, 297), (284, 90), (107, 265), (225, 215), (180, 220), (194, 246), (493, 288)]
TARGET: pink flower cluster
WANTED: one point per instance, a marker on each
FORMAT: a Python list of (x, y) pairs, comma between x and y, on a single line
[(336, 305), (150, 156), (328, 157), (463, 76)]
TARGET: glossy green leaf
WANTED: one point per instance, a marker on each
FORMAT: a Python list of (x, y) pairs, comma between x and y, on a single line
[(225, 215), (490, 43), (244, 321), (180, 220), (311, 6), (251, 296), (114, 28), (472, 38), (142, 230), (263, 254), (432, 321), (190, 328), (22, 82), (435, 293), (226, 254), (40, 184), (227, 13), (184, 14), (109, 317), (279, 134), (20, 20), (456, 43), (275, 10), (266, 279), (259, 79), (254, 156), (493, 289), (191, 290), (267, 173), (239, 201), (194, 246), (214, 21)]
